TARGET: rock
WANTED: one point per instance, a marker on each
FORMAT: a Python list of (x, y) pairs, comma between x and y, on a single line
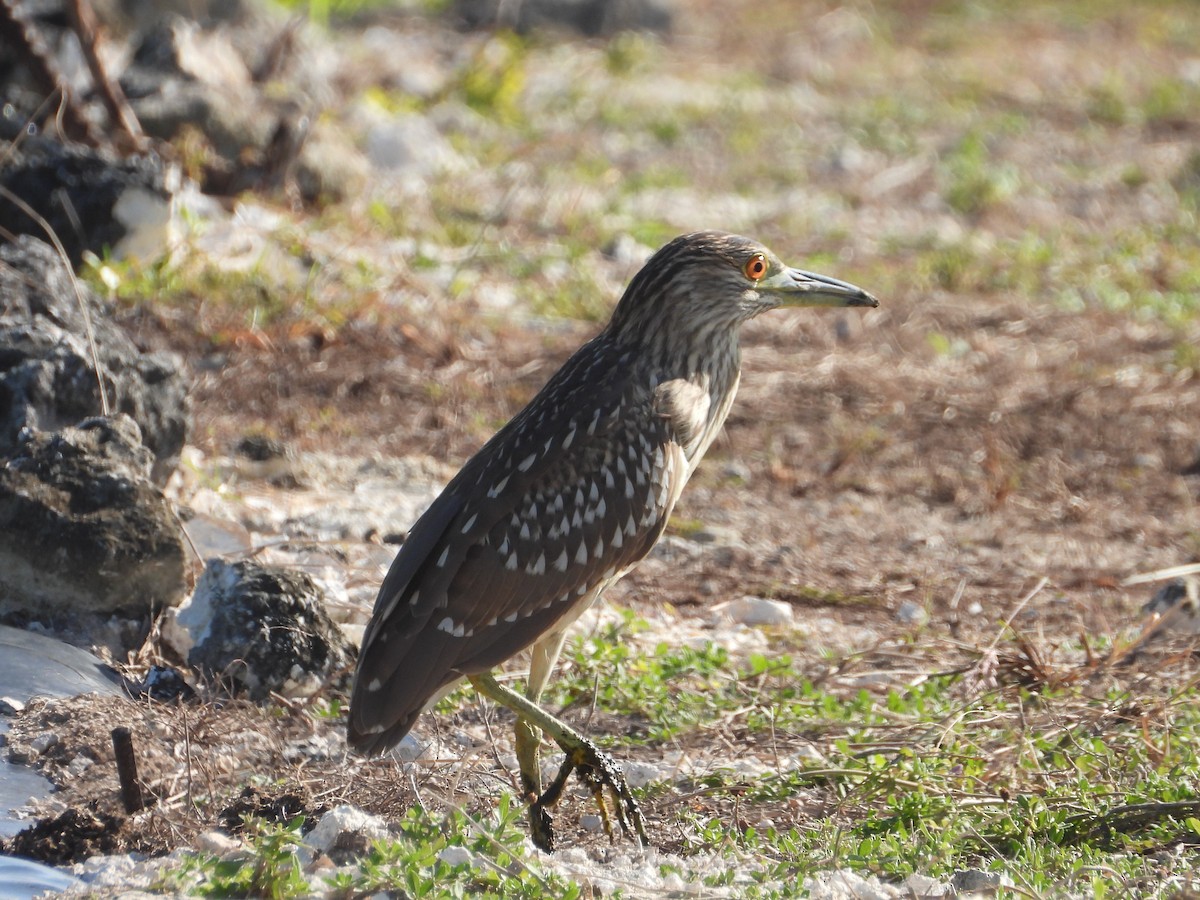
[(639, 774), (94, 201), (845, 885), (264, 628), (218, 843), (410, 145), (46, 372), (754, 611), (971, 882), (343, 828), (83, 529), (182, 76), (911, 613), (457, 856), (588, 17)]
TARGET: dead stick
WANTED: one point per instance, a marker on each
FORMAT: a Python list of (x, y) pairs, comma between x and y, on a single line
[(131, 790), (83, 22)]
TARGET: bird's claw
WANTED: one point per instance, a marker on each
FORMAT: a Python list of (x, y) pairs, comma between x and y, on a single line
[(598, 771)]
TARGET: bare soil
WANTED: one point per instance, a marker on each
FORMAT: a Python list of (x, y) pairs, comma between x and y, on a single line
[(863, 467)]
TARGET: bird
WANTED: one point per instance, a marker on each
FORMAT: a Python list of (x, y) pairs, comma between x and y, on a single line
[(563, 501)]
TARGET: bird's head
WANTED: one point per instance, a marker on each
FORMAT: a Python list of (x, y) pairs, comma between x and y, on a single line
[(709, 282)]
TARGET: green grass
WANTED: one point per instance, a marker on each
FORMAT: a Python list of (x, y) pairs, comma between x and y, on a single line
[(1058, 775), (493, 862)]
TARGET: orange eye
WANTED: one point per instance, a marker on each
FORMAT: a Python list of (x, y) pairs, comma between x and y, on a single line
[(756, 267)]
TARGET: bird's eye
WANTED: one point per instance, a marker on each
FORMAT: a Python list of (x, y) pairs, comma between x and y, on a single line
[(756, 267)]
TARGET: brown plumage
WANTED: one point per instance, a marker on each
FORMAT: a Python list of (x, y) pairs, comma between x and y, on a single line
[(577, 487)]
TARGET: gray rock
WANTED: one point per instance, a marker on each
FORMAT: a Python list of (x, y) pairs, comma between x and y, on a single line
[(754, 611), (92, 200), (263, 628), (82, 527), (46, 375)]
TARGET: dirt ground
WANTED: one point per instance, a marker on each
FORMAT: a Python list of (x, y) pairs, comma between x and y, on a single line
[(865, 465)]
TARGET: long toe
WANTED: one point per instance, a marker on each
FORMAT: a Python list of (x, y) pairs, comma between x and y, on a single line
[(599, 770)]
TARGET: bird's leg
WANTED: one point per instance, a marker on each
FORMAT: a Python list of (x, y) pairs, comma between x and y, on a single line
[(598, 768), (544, 654)]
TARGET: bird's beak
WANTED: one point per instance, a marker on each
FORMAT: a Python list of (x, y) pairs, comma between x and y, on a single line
[(795, 287)]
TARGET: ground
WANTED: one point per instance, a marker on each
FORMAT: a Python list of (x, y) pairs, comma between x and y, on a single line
[(951, 490)]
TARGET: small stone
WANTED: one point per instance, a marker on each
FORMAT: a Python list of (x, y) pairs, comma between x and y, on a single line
[(640, 774), (44, 742), (591, 822), (411, 145), (457, 856), (975, 881), (754, 611), (217, 843), (79, 765), (343, 819), (911, 613), (411, 748)]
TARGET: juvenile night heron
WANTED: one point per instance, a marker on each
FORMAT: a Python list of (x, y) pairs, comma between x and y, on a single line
[(564, 500)]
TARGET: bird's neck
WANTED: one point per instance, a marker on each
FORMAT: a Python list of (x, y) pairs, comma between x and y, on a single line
[(706, 371)]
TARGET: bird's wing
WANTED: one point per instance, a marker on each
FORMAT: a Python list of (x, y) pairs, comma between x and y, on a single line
[(567, 496)]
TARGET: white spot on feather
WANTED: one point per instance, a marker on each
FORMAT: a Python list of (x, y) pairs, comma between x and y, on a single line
[(561, 562), (568, 439), (581, 556), (525, 464), (374, 685), (442, 559), (511, 562), (471, 521), (498, 487), (539, 565)]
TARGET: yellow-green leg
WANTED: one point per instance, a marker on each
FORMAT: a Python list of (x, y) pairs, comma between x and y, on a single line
[(597, 768)]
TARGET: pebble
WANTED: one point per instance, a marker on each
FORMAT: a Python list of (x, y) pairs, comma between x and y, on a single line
[(640, 774), (754, 611), (911, 613), (43, 742), (217, 843), (457, 856), (342, 819), (976, 881), (592, 823)]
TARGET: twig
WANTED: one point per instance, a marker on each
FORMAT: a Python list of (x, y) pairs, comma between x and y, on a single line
[(20, 33), (83, 22)]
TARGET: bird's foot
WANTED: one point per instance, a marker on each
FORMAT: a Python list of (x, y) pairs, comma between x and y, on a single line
[(598, 770)]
